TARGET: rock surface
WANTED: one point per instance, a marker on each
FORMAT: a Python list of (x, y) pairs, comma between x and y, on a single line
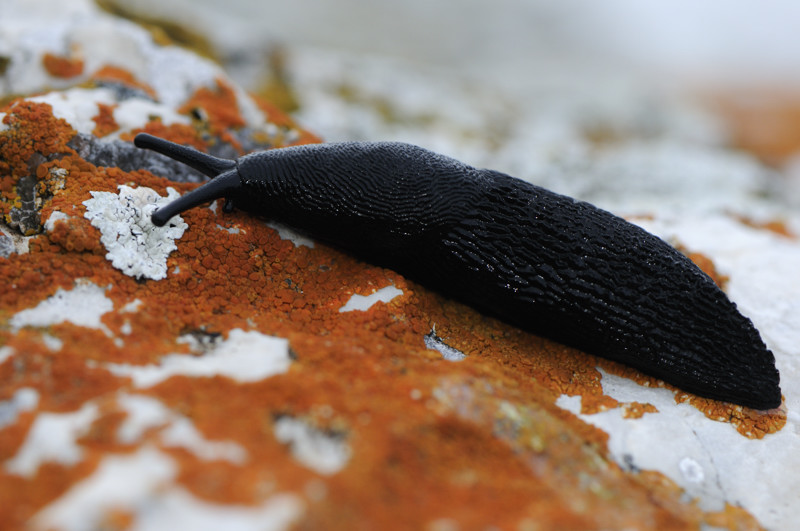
[(249, 378)]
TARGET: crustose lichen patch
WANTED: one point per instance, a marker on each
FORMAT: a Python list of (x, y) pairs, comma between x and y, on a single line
[(135, 246)]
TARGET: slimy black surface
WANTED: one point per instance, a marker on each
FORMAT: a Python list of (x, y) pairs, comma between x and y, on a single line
[(541, 261)]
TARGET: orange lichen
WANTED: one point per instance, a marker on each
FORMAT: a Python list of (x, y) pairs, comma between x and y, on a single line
[(775, 226), (217, 108), (596, 402), (60, 66), (481, 438), (734, 518), (706, 265), (32, 129), (285, 123), (115, 74), (179, 133), (765, 122), (748, 422), (106, 124), (636, 410), (75, 235)]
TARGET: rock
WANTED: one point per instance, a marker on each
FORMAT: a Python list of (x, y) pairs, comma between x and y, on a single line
[(217, 374)]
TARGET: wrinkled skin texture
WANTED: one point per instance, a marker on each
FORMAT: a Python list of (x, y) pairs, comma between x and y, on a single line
[(546, 263)]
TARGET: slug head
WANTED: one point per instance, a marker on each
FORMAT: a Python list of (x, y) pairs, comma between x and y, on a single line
[(224, 176)]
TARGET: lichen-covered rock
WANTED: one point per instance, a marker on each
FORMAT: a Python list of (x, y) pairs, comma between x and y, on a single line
[(135, 246), (236, 374)]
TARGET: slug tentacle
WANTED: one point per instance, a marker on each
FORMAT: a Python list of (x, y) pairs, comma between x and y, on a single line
[(223, 172), (216, 188), (541, 261), (202, 162)]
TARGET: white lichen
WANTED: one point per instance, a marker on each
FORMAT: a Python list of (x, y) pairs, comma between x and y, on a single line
[(50, 224), (5, 354), (325, 453), (287, 233), (145, 414), (77, 106), (135, 246), (434, 342), (53, 439), (132, 307), (52, 343), (363, 303), (12, 242), (244, 356), (143, 485), (24, 399), (84, 305)]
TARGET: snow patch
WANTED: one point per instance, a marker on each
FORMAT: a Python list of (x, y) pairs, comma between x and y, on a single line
[(364, 302), (244, 356), (135, 246)]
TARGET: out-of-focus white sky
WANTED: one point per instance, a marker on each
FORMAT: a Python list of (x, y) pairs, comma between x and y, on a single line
[(519, 41)]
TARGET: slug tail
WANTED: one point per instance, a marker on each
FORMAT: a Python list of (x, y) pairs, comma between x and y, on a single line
[(202, 162), (213, 189)]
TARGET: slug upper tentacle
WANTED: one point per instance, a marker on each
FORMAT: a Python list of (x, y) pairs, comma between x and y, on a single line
[(202, 162), (541, 261)]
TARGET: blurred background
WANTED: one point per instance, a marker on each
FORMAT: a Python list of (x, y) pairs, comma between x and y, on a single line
[(520, 41), (541, 90)]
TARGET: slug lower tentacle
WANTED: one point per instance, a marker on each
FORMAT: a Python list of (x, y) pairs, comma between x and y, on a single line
[(541, 261)]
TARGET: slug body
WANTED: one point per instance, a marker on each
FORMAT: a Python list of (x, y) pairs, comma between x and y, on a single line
[(544, 262)]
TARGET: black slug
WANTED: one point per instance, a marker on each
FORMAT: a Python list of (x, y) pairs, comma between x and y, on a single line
[(541, 261)]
